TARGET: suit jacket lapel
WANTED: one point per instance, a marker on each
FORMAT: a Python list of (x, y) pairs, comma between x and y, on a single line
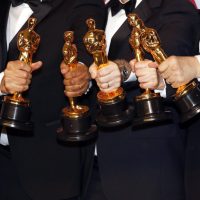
[(4, 10), (144, 10)]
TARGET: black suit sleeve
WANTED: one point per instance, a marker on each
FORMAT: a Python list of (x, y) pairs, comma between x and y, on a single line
[(179, 32), (83, 10)]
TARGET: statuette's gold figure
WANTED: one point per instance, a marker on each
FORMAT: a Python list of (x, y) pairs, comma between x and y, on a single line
[(69, 49), (70, 58), (27, 42), (151, 43), (136, 42), (95, 44)]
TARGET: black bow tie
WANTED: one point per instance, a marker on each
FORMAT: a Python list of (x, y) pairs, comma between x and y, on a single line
[(34, 4), (116, 6)]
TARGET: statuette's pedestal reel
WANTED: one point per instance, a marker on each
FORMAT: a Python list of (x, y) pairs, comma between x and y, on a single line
[(77, 126), (114, 111), (187, 100), (16, 113), (149, 109)]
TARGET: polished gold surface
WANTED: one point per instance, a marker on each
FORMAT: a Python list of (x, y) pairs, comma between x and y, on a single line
[(95, 44), (181, 91), (70, 58), (76, 111), (69, 50), (136, 43), (16, 100), (147, 95), (27, 43), (151, 43), (110, 96)]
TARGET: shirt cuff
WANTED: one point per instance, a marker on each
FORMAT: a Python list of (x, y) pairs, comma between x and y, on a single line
[(90, 85), (4, 137), (198, 58), (131, 78), (1, 77), (163, 92)]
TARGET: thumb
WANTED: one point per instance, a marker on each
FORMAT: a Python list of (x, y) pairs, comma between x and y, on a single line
[(132, 64), (36, 65), (93, 71)]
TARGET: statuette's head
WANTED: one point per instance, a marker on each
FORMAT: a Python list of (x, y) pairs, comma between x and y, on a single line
[(150, 40), (28, 39), (69, 36), (135, 21), (94, 39), (69, 49)]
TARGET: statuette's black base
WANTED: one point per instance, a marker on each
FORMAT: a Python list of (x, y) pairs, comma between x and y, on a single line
[(77, 129), (67, 137), (189, 104), (16, 115), (114, 113), (115, 120), (150, 111)]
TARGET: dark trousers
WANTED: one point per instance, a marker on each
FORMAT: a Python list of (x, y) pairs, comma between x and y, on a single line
[(95, 190), (192, 173), (10, 187)]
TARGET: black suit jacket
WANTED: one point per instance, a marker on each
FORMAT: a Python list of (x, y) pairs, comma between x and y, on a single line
[(46, 169), (192, 170), (148, 164)]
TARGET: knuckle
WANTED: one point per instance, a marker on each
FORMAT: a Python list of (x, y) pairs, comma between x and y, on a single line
[(140, 79), (25, 75), (174, 85), (24, 81), (142, 86), (173, 59)]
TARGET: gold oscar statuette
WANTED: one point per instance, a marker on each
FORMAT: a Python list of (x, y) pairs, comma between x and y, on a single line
[(95, 43), (148, 105), (114, 110), (135, 43), (70, 59), (15, 111), (76, 119)]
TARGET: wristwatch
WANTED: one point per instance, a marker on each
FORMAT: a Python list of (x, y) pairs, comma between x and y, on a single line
[(125, 73), (124, 68)]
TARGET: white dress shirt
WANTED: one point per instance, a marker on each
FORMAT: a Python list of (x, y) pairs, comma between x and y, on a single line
[(16, 19), (112, 26), (197, 3)]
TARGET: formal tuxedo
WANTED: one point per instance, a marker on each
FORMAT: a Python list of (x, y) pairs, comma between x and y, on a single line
[(192, 169), (44, 168), (148, 163)]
